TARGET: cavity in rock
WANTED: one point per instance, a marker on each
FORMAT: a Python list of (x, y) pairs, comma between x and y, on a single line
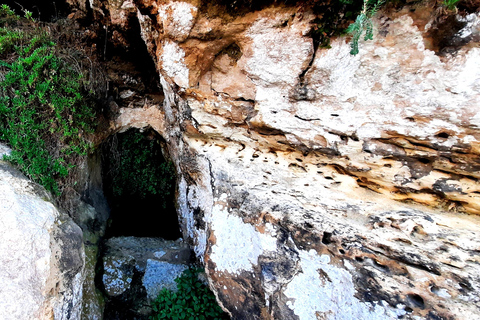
[(139, 183)]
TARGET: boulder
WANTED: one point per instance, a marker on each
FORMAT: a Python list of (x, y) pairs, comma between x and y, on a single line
[(135, 270), (42, 255)]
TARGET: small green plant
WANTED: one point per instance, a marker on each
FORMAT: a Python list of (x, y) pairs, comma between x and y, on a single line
[(451, 4), (363, 23), (193, 300), (6, 11), (8, 39), (7, 16), (28, 15)]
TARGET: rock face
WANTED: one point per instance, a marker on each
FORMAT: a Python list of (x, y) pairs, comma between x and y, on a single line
[(42, 256), (314, 184), (93, 302), (135, 270)]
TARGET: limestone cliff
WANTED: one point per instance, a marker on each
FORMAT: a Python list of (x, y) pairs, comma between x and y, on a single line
[(315, 184)]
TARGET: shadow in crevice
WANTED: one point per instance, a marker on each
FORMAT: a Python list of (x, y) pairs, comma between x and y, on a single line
[(139, 184), (46, 11)]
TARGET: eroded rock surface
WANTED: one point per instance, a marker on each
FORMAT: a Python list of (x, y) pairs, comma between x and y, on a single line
[(314, 184), (42, 255)]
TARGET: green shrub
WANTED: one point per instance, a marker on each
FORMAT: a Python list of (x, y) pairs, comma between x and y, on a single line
[(44, 114), (193, 300), (363, 23)]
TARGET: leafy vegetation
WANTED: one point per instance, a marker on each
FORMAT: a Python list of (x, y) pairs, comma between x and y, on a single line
[(28, 15), (363, 23), (45, 115), (137, 167), (193, 300), (5, 12)]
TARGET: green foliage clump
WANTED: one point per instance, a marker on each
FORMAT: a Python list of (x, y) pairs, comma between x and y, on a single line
[(193, 300), (5, 11), (44, 116), (451, 4), (363, 23), (139, 169), (7, 15), (28, 15)]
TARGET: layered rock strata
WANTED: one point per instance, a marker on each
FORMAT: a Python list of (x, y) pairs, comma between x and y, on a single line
[(315, 184)]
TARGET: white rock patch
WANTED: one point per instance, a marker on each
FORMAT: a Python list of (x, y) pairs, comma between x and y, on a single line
[(272, 61), (322, 289), (238, 244), (173, 63), (178, 19)]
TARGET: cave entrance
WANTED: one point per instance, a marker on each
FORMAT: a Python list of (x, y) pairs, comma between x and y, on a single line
[(139, 184)]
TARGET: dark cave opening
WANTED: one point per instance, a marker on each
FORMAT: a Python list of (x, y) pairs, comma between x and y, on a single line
[(124, 49), (139, 183)]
